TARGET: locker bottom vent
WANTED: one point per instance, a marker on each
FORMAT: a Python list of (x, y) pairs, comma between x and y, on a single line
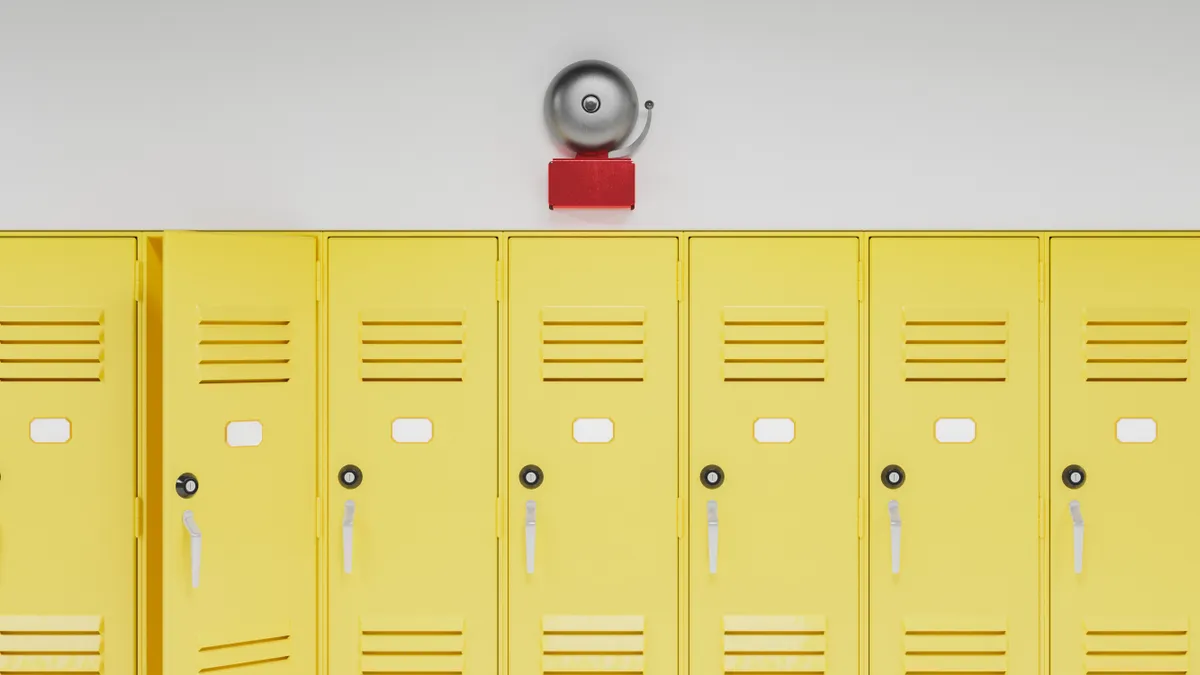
[(51, 644), (401, 645), (976, 645), (1135, 646), (593, 644), (244, 657), (774, 644)]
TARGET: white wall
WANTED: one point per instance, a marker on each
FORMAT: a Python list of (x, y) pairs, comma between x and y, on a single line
[(427, 114)]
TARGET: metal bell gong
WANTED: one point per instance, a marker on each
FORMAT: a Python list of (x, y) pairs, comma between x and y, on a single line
[(592, 107)]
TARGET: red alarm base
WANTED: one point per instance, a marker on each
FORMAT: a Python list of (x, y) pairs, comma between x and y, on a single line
[(591, 182)]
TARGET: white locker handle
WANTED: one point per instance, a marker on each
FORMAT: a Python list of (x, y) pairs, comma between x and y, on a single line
[(894, 517), (1077, 519), (530, 534), (712, 537), (189, 521), (348, 537)]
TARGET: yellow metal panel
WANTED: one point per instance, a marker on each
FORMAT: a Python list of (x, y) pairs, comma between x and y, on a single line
[(560, 643), (1120, 323), (68, 352), (256, 598), (968, 539), (604, 536), (774, 335), (413, 335)]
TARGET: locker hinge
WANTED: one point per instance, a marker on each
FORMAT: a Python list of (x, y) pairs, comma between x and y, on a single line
[(859, 516), (1041, 518), (859, 287), (137, 518), (679, 517), (678, 281), (320, 520), (320, 283), (499, 281), (139, 281), (1041, 281), (499, 522)]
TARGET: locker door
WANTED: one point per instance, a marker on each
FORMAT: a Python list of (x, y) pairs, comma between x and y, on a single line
[(954, 455), (773, 479), (239, 453), (412, 464), (68, 455), (1124, 431), (593, 455)]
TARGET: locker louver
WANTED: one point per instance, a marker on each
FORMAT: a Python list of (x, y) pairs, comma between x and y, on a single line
[(51, 644), (1136, 345), (1116, 645), (774, 644), (593, 644), (955, 345), (412, 345), (401, 645), (593, 344), (773, 344), (955, 645), (244, 346), (51, 344), (246, 656)]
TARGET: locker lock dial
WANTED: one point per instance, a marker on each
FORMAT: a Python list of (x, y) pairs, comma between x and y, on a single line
[(531, 476), (892, 476), (1074, 476), (712, 476), (350, 476), (187, 485)]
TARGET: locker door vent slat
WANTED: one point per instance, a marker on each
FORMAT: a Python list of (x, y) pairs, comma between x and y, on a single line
[(407, 645), (1115, 645), (51, 644), (955, 345), (774, 644), (412, 345), (1136, 345), (593, 644), (593, 344), (773, 344), (245, 656), (955, 645), (51, 344), (243, 345)]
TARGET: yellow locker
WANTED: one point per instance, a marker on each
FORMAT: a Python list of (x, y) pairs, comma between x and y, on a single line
[(68, 453), (239, 401), (593, 437), (413, 455), (1124, 431), (773, 477), (954, 455)]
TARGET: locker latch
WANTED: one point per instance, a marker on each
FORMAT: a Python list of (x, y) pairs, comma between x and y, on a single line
[(189, 522), (530, 534), (712, 536), (348, 537), (1077, 519), (894, 518)]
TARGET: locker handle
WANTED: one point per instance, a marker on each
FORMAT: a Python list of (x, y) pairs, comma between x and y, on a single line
[(1077, 519), (530, 534), (894, 517), (712, 536), (189, 522), (348, 537)]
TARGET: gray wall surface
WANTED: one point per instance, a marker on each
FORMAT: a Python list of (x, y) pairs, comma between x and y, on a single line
[(399, 114)]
